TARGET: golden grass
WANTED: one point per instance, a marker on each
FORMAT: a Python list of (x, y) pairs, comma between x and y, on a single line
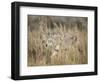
[(72, 42)]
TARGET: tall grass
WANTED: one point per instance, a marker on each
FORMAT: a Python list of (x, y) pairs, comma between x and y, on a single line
[(48, 35)]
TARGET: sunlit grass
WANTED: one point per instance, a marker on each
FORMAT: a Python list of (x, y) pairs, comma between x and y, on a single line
[(43, 42)]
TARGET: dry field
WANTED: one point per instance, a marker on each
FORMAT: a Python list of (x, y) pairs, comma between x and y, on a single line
[(56, 40)]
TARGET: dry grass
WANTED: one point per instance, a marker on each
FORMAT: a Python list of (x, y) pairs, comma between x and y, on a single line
[(56, 43)]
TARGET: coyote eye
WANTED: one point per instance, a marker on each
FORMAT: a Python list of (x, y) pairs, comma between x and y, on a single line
[(46, 45)]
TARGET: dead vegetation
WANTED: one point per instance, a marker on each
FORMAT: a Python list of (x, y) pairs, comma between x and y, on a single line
[(56, 40)]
